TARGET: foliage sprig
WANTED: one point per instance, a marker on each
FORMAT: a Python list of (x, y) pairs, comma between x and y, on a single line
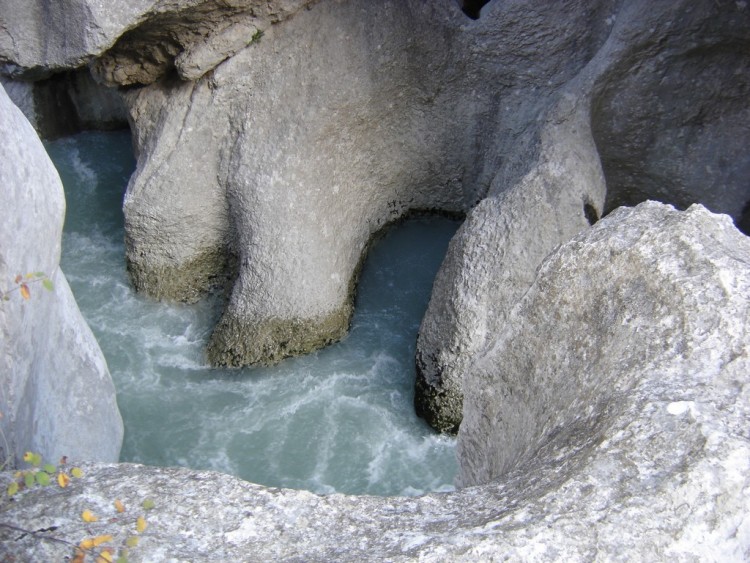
[(22, 283), (99, 548)]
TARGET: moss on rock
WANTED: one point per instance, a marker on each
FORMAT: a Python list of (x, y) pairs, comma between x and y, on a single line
[(441, 406), (187, 282), (237, 342)]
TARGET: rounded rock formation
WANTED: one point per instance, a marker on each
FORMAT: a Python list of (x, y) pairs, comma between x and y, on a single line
[(56, 394)]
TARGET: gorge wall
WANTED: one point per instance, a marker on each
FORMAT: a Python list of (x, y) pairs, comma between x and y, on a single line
[(594, 368), (656, 131)]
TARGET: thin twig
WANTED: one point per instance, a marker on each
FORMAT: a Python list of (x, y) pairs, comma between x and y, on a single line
[(39, 534)]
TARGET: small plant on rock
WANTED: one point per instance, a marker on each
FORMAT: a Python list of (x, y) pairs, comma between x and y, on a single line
[(22, 284), (100, 546)]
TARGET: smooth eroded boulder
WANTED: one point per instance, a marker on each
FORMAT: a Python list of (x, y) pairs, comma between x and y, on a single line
[(293, 153), (644, 315), (286, 160), (56, 393)]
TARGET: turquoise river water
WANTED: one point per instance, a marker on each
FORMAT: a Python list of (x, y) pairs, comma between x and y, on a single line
[(338, 420)]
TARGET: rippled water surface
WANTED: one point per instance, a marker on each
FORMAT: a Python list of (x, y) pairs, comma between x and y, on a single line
[(337, 420)]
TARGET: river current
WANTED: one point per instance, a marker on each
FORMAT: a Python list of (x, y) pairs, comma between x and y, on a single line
[(338, 420)]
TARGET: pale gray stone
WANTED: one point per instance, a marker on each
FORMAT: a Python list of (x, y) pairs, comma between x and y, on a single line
[(56, 393), (467, 102), (38, 38), (645, 312), (316, 149), (608, 422), (493, 259), (304, 166)]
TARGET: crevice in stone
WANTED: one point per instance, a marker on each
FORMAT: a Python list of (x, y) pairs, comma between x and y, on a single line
[(144, 54), (473, 8), (743, 221), (592, 215), (70, 102)]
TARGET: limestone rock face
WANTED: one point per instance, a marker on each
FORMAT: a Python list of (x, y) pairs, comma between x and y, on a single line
[(608, 421), (661, 105), (600, 371), (492, 261), (671, 120), (190, 37), (631, 335), (318, 143), (277, 137), (38, 37), (56, 393)]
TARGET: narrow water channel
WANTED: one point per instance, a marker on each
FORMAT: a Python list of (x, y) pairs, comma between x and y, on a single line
[(338, 420)]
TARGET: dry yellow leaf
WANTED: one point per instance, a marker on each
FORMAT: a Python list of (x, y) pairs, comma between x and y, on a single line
[(87, 543), (99, 540), (63, 480), (141, 524), (88, 516), (132, 541), (105, 557), (25, 293), (119, 506)]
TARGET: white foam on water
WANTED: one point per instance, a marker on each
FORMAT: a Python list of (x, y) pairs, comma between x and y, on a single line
[(68, 161), (338, 420)]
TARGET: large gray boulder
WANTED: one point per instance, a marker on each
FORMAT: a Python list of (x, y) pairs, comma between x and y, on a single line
[(56, 393), (493, 259), (609, 421), (640, 320)]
